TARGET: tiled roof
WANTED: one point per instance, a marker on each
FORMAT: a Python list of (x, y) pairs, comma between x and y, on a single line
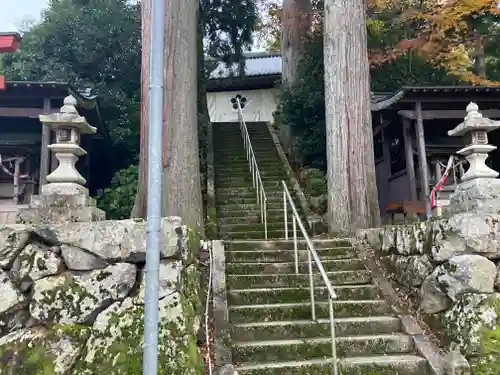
[(256, 64), (379, 101)]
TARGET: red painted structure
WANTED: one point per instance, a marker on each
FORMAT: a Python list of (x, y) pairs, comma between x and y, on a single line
[(9, 42)]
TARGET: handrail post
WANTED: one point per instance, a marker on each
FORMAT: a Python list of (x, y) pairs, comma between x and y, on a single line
[(332, 330), (285, 214), (311, 254), (265, 218), (311, 286), (295, 246)]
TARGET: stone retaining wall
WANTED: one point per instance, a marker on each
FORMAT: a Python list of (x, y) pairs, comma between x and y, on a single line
[(72, 298), (452, 266)]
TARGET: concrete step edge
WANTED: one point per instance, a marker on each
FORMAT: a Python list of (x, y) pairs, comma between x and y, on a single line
[(380, 360), (320, 340)]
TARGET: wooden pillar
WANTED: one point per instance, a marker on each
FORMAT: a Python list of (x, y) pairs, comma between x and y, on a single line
[(437, 168), (422, 158), (44, 151), (410, 165), (17, 174)]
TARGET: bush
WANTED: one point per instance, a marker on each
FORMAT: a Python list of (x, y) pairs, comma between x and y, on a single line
[(313, 181), (118, 199)]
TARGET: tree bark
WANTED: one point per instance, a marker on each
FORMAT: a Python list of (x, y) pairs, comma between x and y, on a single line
[(352, 189), (181, 167), (140, 204), (202, 84), (479, 57), (297, 18)]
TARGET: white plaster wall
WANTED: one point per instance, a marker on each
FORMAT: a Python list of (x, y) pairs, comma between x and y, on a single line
[(259, 106)]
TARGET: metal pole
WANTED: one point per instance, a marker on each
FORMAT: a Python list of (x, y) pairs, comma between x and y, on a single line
[(155, 146)]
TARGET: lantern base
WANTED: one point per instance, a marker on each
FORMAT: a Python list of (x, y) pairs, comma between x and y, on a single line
[(479, 195), (61, 203)]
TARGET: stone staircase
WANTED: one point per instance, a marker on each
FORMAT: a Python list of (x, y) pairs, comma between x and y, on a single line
[(270, 314), (269, 305), (238, 214)]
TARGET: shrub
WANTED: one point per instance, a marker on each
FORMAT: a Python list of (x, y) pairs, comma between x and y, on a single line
[(118, 199)]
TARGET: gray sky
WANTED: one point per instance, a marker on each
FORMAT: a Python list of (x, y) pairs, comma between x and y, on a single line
[(13, 13)]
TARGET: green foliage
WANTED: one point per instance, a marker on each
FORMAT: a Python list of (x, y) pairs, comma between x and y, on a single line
[(118, 199), (488, 363), (90, 44), (303, 107), (314, 182), (228, 29), (409, 69)]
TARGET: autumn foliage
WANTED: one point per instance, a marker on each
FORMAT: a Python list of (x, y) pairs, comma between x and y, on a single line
[(448, 33)]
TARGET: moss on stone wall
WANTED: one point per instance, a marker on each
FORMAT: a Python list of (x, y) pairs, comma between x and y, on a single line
[(488, 362), (114, 343)]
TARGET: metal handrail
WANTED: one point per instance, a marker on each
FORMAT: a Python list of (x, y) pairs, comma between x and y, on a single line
[(254, 169), (311, 254)]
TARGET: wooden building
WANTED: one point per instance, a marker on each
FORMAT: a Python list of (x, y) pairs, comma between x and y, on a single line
[(410, 126), (25, 158), (259, 88), (410, 129)]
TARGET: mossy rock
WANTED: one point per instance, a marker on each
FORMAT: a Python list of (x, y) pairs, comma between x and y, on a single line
[(488, 360), (42, 351), (115, 345)]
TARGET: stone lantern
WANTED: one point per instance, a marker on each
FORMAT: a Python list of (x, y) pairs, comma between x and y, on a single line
[(68, 126), (479, 189), (64, 198), (474, 129)]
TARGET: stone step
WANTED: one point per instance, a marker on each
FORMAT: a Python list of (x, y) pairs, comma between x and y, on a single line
[(269, 183), (253, 268), (264, 167), (364, 365), (302, 310), (252, 227), (228, 205), (235, 157), (357, 277), (235, 202), (230, 160), (256, 235), (243, 171), (248, 192), (306, 328), (241, 217), (253, 216), (287, 295), (273, 200), (288, 245), (313, 348), (231, 167), (261, 146), (273, 255)]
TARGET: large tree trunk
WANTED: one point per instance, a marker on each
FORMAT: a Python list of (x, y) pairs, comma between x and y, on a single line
[(140, 205), (297, 16), (352, 190), (479, 57), (202, 84), (181, 167)]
